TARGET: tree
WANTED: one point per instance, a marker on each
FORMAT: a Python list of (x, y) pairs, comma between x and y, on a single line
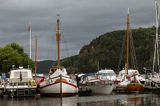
[(13, 54)]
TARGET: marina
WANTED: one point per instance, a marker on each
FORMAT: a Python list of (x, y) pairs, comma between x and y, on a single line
[(85, 53)]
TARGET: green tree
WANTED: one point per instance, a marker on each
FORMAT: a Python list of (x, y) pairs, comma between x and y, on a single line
[(13, 54)]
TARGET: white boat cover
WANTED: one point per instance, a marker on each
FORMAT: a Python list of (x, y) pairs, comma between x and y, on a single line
[(59, 72), (107, 74), (21, 74), (131, 72), (106, 71)]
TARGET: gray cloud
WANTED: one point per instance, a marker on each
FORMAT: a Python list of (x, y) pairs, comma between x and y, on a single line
[(81, 21)]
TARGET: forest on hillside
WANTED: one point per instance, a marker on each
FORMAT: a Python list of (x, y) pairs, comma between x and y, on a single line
[(102, 52), (105, 51)]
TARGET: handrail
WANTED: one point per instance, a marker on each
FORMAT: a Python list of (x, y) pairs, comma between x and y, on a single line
[(58, 76)]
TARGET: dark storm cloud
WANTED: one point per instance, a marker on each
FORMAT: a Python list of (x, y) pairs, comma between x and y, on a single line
[(81, 21)]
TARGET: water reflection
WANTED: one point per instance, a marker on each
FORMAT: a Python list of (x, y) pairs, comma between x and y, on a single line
[(133, 100), (69, 101), (106, 100), (123, 100)]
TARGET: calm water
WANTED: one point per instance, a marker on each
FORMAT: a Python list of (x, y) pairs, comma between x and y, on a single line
[(106, 100)]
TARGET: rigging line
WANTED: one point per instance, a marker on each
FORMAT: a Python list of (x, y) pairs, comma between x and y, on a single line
[(36, 56), (53, 54), (133, 53), (66, 46), (157, 37), (156, 48), (157, 26), (154, 58), (121, 54)]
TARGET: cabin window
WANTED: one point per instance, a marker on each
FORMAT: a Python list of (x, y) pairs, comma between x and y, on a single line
[(106, 74), (16, 74), (25, 74)]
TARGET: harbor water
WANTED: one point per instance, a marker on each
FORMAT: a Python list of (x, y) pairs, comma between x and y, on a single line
[(99, 100)]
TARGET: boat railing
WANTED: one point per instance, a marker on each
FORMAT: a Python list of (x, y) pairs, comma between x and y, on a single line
[(29, 83), (57, 77)]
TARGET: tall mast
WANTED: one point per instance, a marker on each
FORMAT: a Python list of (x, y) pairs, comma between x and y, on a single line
[(58, 38), (30, 41), (156, 48), (35, 63), (127, 43)]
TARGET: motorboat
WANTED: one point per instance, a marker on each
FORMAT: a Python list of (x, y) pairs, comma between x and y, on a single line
[(101, 82), (20, 83)]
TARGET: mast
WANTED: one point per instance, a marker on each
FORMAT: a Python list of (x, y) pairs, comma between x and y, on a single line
[(35, 63), (156, 48), (58, 38), (30, 41), (127, 43)]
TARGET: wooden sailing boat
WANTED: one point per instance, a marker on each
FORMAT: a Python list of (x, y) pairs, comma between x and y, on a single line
[(58, 82), (130, 81)]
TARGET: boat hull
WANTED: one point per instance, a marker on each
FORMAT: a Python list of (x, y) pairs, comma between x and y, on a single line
[(135, 87), (101, 87), (23, 92), (53, 89)]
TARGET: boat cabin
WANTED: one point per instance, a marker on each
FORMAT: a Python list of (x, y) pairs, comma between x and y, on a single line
[(20, 75)]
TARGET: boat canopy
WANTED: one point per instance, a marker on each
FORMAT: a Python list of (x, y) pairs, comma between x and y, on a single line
[(20, 75), (131, 72), (109, 71), (59, 72)]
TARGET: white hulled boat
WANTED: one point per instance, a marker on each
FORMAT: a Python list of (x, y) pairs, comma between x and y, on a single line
[(101, 82), (58, 82), (152, 80), (21, 83)]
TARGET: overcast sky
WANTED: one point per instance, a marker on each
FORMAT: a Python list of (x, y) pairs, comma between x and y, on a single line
[(81, 22)]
